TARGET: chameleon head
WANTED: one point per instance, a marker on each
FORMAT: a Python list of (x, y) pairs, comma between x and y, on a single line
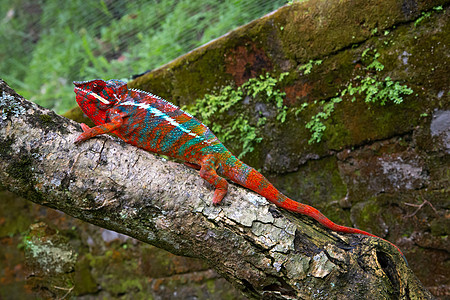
[(96, 96)]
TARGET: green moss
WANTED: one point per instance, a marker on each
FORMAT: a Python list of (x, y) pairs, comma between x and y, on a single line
[(198, 76), (21, 168), (46, 120), (367, 216), (17, 212), (84, 281), (188, 77), (102, 271), (316, 125), (440, 227), (126, 286), (368, 212), (5, 145)]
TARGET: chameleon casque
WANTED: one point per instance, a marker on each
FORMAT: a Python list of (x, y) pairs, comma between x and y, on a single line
[(156, 125)]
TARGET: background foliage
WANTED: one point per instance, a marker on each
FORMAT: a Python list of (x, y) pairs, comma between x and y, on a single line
[(47, 44)]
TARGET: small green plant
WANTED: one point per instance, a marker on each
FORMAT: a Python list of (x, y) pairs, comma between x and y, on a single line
[(217, 110), (371, 87), (375, 90), (426, 15), (316, 125), (306, 68), (375, 64), (301, 108)]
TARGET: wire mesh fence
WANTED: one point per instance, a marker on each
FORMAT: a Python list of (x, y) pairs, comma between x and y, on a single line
[(46, 44)]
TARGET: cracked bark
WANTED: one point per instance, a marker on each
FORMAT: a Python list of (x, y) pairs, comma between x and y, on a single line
[(264, 251)]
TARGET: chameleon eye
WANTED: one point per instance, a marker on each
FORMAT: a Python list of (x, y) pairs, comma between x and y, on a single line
[(97, 87)]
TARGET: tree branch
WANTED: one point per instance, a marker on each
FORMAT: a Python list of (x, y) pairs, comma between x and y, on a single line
[(265, 252)]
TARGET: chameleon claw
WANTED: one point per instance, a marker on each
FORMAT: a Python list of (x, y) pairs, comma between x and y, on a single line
[(84, 127), (219, 194), (80, 139), (84, 136)]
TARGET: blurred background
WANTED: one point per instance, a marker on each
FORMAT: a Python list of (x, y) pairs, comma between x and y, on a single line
[(47, 44)]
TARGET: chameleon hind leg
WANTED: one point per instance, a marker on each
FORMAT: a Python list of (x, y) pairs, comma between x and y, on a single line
[(208, 172)]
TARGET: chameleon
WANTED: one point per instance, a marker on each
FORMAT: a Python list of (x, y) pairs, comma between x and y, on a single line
[(156, 125)]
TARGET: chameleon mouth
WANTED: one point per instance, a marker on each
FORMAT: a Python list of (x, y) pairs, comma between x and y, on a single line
[(89, 93)]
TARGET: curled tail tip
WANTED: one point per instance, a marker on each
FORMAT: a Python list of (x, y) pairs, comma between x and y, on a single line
[(375, 236), (392, 244), (404, 258), (400, 251)]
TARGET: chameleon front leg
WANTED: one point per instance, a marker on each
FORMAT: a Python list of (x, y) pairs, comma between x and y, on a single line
[(116, 122), (208, 172)]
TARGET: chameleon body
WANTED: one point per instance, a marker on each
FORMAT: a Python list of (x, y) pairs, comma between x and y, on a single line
[(156, 125)]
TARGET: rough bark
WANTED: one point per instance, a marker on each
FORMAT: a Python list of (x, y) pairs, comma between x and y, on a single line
[(265, 252)]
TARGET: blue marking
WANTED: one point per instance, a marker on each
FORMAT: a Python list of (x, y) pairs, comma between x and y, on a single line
[(189, 143), (177, 132), (153, 143), (149, 125), (171, 138), (214, 148), (243, 173), (190, 124), (231, 161)]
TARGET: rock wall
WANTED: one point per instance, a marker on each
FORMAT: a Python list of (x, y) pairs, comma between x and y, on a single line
[(382, 168)]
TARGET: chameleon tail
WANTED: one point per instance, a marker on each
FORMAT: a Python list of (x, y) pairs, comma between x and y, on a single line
[(256, 182)]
